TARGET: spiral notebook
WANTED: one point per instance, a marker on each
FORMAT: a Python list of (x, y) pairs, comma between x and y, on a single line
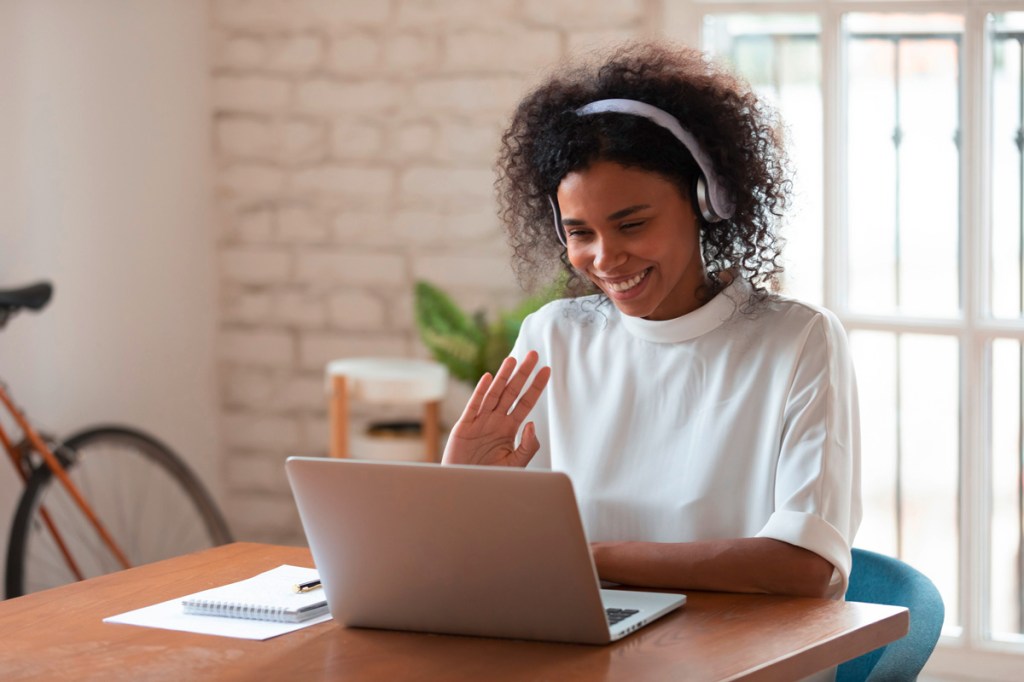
[(268, 596)]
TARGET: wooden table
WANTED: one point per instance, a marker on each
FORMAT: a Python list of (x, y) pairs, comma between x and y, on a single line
[(58, 634)]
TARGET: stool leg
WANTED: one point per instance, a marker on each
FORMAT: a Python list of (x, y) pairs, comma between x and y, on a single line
[(432, 430), (339, 417)]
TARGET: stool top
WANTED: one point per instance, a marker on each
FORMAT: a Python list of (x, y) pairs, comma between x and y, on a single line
[(391, 380)]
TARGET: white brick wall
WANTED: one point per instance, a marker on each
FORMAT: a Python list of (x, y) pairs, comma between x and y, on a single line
[(250, 93), (329, 96), (584, 14), (255, 265), (500, 50), (244, 347), (354, 142)]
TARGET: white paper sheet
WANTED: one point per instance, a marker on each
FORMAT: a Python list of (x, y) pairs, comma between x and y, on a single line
[(170, 615)]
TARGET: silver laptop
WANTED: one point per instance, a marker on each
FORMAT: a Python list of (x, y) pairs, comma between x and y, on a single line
[(486, 551)]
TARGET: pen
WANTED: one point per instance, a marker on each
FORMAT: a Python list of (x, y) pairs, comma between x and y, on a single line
[(307, 586)]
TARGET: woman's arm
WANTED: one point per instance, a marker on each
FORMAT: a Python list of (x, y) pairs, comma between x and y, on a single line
[(758, 565)]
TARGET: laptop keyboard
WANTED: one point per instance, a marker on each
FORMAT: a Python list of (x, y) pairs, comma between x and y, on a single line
[(617, 615)]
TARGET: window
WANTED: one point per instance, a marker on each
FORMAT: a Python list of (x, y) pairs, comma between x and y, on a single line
[(1005, 352), (905, 129), (780, 55), (902, 263)]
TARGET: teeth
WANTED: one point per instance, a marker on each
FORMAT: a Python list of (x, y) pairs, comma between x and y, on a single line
[(619, 287)]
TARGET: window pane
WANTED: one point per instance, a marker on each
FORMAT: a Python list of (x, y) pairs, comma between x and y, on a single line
[(874, 355), (1007, 570), (780, 55), (909, 387), (871, 176), (1006, 32), (895, 23), (903, 198), (930, 444)]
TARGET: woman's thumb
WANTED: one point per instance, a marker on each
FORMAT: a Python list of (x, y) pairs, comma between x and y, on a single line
[(529, 445)]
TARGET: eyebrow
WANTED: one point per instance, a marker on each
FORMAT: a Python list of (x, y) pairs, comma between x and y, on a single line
[(617, 215)]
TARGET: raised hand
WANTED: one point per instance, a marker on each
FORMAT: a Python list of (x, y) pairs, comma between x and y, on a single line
[(486, 431)]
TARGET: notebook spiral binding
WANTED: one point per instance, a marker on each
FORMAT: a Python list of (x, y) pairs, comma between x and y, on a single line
[(212, 607)]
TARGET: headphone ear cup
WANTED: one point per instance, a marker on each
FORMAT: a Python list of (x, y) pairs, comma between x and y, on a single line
[(556, 214), (703, 194)]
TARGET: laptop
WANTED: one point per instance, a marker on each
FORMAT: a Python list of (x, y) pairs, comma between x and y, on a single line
[(486, 551)]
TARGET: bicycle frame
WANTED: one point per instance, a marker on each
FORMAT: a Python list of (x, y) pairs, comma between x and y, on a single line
[(51, 461)]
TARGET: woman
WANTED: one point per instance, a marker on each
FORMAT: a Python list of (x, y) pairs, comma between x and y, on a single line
[(709, 426)]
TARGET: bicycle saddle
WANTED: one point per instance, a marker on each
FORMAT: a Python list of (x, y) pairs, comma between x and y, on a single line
[(33, 297)]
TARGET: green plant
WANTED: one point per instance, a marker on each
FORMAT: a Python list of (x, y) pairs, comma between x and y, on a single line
[(468, 344)]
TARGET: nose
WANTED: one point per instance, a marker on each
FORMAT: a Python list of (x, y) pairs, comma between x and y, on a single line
[(608, 255)]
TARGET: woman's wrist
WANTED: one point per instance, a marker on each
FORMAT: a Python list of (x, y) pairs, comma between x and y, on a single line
[(604, 558)]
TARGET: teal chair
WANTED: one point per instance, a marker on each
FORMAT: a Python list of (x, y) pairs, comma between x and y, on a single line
[(879, 579)]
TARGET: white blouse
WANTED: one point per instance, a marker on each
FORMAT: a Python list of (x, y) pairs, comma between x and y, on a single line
[(722, 423)]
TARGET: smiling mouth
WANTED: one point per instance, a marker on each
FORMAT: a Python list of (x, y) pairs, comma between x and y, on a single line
[(622, 287)]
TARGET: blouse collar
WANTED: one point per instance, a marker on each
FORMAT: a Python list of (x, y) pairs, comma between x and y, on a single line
[(704, 319)]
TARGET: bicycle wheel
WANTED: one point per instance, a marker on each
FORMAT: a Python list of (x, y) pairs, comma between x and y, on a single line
[(144, 494)]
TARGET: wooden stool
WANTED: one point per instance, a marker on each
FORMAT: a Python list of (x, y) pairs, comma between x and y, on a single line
[(390, 381)]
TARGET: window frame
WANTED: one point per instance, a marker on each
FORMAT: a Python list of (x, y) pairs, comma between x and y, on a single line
[(967, 650)]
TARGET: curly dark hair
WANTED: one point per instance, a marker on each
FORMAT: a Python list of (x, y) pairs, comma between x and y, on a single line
[(547, 140)]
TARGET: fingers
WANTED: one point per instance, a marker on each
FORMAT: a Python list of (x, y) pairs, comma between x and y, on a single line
[(497, 387), (518, 380), (508, 383), (475, 400), (532, 394)]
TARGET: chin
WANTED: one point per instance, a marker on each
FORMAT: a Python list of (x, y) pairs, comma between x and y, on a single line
[(631, 309)]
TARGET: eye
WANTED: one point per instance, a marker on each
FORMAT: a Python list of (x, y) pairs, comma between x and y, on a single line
[(577, 233), (632, 224)]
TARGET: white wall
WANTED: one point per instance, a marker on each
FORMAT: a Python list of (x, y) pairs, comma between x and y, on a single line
[(354, 144), (104, 190)]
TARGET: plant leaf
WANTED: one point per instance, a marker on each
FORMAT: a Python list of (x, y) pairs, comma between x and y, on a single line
[(467, 344), (452, 337)]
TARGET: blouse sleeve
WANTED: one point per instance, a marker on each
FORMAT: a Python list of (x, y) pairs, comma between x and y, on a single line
[(817, 483)]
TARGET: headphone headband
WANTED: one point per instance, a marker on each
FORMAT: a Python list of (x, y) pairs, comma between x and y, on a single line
[(714, 201)]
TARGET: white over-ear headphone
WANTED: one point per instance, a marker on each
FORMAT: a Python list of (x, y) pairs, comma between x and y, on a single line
[(713, 200)]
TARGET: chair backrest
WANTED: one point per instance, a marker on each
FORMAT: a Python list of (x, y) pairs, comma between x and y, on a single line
[(880, 579)]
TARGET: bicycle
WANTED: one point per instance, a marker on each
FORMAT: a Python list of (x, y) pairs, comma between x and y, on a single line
[(104, 499)]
